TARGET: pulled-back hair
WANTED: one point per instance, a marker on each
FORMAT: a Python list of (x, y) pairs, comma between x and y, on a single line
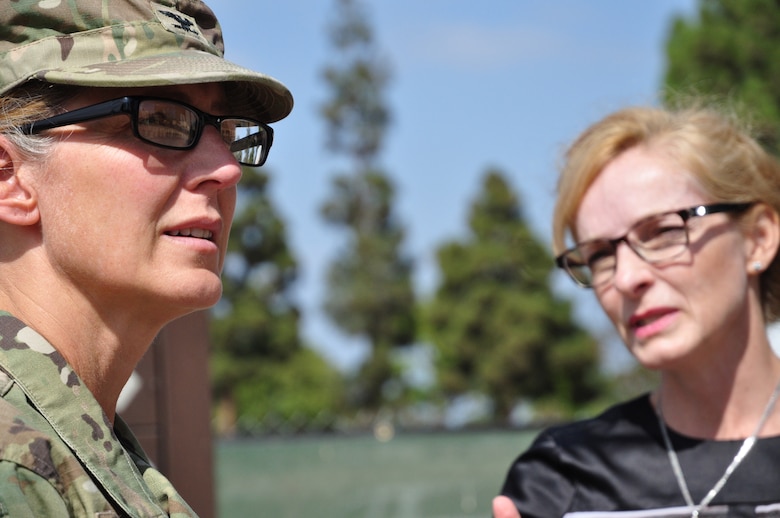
[(31, 102), (713, 146)]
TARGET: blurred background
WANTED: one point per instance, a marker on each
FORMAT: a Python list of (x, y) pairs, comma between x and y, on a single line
[(392, 332)]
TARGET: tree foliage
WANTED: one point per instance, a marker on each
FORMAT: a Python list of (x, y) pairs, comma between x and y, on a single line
[(370, 293), (260, 367), (497, 327), (356, 115), (731, 50)]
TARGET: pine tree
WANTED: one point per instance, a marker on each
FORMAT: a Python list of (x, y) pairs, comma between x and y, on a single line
[(370, 293), (494, 321), (260, 367), (731, 50)]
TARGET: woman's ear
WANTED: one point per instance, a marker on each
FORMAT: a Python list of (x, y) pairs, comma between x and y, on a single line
[(18, 199), (762, 232)]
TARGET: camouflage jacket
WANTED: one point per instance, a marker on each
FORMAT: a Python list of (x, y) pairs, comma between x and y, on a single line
[(59, 454)]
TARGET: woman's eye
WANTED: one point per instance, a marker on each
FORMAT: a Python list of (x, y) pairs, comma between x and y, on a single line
[(598, 257), (110, 125), (663, 234), (662, 230)]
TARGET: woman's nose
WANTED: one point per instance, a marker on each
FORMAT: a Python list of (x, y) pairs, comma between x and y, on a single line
[(212, 163), (632, 272)]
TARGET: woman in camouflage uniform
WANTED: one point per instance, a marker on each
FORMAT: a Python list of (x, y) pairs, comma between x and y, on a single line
[(122, 135)]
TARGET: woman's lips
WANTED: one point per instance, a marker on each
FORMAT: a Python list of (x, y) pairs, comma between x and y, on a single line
[(651, 322)]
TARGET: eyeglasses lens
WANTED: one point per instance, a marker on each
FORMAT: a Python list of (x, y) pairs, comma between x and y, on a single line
[(174, 125), (167, 124), (659, 238), (248, 141)]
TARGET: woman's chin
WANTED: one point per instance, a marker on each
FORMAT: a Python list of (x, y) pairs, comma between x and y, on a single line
[(196, 296)]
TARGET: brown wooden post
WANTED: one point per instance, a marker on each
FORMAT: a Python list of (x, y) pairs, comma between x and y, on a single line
[(171, 411)]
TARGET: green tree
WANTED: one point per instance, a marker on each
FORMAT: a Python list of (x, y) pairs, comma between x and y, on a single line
[(370, 293), (260, 367), (730, 50), (494, 321)]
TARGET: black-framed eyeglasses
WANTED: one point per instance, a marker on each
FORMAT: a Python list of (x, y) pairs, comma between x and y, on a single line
[(173, 125), (655, 239)]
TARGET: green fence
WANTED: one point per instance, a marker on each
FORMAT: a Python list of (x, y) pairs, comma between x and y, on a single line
[(432, 475)]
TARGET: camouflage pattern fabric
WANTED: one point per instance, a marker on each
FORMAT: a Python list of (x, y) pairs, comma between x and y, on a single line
[(128, 43), (59, 455)]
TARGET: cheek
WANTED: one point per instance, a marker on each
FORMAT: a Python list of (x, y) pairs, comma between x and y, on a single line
[(65, 211), (227, 208), (102, 201), (227, 204), (611, 303), (720, 267), (721, 287)]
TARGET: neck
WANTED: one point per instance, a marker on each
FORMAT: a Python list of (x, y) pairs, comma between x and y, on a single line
[(102, 336), (102, 352), (723, 403)]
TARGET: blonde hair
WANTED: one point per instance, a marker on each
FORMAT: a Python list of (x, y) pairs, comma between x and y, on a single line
[(31, 102), (714, 146)]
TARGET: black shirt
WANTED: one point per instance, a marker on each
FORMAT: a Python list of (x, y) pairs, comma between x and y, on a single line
[(617, 462)]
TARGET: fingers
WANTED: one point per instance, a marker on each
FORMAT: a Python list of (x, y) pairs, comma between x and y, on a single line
[(504, 508)]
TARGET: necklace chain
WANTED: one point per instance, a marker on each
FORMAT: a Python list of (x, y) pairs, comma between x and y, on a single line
[(747, 445)]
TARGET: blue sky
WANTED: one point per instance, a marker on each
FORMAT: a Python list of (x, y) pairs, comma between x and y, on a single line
[(503, 83)]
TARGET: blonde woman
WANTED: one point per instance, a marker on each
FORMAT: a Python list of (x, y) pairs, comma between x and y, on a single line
[(672, 221)]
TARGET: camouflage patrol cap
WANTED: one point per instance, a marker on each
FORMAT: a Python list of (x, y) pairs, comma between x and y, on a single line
[(128, 43)]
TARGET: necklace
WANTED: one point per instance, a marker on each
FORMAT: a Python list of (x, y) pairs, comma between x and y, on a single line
[(747, 445)]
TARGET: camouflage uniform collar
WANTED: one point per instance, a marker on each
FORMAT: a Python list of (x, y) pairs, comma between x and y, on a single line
[(60, 396)]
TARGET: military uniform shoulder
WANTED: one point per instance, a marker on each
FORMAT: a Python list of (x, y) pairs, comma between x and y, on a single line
[(23, 443), (41, 474), (26, 437)]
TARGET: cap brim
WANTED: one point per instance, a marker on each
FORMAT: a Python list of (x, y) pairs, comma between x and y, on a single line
[(250, 93)]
